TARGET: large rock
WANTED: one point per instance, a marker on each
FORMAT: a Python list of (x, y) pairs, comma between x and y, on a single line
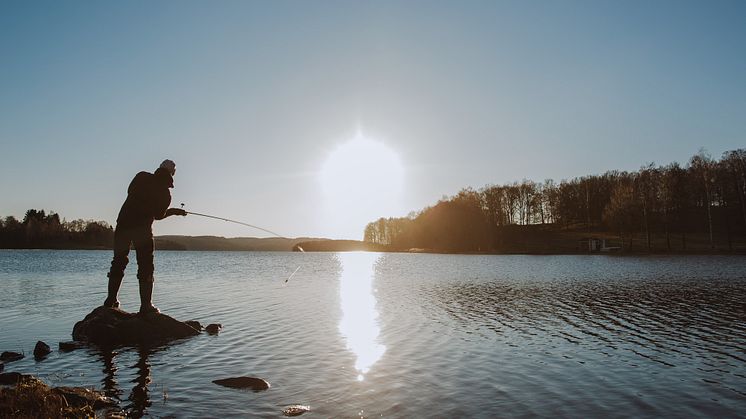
[(112, 326)]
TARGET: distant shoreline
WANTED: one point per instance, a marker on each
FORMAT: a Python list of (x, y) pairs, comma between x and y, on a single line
[(537, 239), (253, 244)]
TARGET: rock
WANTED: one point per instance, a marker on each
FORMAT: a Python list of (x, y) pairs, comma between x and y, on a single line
[(195, 324), (29, 397), (70, 346), (2, 366), (112, 326), (10, 378), (256, 384), (296, 410), (10, 356), (14, 378), (214, 328), (79, 396), (41, 350)]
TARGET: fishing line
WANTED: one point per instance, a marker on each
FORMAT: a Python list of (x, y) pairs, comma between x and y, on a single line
[(291, 275), (252, 226)]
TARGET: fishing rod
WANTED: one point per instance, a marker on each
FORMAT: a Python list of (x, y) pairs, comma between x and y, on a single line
[(252, 226), (238, 222)]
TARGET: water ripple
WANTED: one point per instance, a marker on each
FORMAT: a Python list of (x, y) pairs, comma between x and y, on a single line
[(453, 336)]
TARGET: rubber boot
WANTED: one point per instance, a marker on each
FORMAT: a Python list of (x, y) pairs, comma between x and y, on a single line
[(114, 284), (146, 296)]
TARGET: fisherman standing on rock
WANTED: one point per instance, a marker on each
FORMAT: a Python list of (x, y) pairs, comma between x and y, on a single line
[(148, 198)]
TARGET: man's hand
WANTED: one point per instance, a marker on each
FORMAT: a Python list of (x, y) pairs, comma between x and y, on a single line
[(176, 211)]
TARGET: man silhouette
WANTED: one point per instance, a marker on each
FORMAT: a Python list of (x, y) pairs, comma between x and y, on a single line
[(148, 198)]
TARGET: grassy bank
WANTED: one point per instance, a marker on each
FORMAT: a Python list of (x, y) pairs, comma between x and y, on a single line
[(31, 398)]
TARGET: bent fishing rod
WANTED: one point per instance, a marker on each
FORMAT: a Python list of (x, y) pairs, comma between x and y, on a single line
[(252, 226), (238, 222)]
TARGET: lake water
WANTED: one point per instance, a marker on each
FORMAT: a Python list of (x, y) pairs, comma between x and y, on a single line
[(402, 335)]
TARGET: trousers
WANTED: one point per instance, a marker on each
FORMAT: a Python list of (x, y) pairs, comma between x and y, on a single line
[(142, 239)]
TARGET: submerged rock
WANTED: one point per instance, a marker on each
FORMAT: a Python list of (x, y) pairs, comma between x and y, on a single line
[(10, 356), (195, 324), (112, 326), (70, 346), (256, 384), (41, 350), (214, 328), (79, 396), (296, 410)]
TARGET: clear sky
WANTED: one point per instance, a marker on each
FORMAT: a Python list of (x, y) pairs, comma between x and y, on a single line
[(251, 98)]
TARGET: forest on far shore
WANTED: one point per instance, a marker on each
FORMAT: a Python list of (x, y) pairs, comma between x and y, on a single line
[(42, 230), (698, 206)]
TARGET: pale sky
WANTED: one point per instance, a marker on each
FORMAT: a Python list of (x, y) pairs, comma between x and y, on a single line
[(251, 98)]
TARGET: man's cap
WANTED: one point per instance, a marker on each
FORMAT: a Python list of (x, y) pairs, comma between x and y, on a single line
[(169, 165)]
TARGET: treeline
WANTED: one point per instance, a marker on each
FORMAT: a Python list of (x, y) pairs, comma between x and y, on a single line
[(657, 204), (39, 229)]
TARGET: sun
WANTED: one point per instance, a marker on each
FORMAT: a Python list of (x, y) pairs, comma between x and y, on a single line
[(361, 180)]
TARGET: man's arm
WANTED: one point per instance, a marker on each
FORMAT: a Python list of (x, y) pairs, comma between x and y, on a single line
[(173, 211), (160, 207)]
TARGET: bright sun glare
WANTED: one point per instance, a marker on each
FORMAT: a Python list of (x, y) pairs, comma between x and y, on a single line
[(362, 180)]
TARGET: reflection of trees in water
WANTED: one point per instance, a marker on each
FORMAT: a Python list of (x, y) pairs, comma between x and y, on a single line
[(687, 318), (139, 397)]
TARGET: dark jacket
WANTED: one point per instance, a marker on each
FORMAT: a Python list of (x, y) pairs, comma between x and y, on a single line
[(148, 199)]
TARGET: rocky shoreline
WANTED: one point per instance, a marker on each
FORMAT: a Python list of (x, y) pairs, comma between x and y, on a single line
[(23, 395), (26, 396)]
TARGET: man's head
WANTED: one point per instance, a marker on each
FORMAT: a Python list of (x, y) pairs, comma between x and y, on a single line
[(169, 166)]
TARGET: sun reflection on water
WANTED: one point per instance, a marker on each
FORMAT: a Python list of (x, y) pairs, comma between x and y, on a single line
[(359, 323)]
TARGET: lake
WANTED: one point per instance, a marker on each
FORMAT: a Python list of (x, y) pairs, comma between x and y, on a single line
[(401, 335)]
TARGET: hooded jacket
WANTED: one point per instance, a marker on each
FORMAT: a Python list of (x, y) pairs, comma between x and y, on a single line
[(148, 198)]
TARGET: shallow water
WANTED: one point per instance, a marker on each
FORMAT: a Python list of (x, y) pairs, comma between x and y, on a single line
[(402, 335)]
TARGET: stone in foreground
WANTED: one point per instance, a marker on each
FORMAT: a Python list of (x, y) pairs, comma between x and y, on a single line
[(253, 383), (41, 350), (112, 326), (12, 378), (10, 356), (29, 397), (79, 396), (214, 328), (296, 410)]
